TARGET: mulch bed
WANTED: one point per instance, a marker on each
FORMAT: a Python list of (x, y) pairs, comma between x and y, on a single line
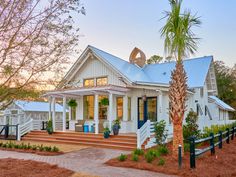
[(221, 164), (28, 168), (44, 153)]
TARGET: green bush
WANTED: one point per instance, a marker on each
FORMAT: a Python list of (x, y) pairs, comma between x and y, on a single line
[(134, 157), (215, 129), (162, 150), (41, 148), (149, 156), (191, 126), (122, 157), (138, 152), (34, 147), (55, 149), (161, 162), (186, 147), (160, 132), (154, 152)]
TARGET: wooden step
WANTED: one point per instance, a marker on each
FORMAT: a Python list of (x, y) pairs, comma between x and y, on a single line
[(103, 145), (124, 142), (83, 139)]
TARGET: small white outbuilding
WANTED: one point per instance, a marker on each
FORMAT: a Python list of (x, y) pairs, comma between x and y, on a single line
[(20, 112)]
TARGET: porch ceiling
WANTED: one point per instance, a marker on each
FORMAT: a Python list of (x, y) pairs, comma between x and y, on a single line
[(80, 91)]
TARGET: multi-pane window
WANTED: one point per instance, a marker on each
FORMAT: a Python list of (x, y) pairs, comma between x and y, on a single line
[(141, 109), (101, 81), (129, 108), (89, 107), (119, 102), (88, 82)]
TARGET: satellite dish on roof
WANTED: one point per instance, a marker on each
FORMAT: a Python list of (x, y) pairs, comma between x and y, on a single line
[(137, 57)]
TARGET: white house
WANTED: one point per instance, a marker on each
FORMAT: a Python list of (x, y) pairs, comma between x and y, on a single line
[(136, 92), (19, 112)]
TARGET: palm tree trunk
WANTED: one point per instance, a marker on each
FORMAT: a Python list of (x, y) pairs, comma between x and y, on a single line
[(177, 98)]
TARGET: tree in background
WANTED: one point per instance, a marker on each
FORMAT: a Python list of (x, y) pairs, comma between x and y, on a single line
[(154, 59), (226, 82), (36, 40), (180, 41)]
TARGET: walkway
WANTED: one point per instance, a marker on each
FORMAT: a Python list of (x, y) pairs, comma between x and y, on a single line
[(89, 160)]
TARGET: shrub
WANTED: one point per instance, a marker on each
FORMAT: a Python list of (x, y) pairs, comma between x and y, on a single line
[(214, 129), (55, 149), (163, 150), (161, 162), (138, 152), (34, 147), (191, 126), (160, 132), (186, 147), (122, 157), (149, 156), (134, 157), (154, 152), (41, 148)]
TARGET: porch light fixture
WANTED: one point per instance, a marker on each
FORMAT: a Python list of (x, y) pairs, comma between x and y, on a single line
[(144, 97)]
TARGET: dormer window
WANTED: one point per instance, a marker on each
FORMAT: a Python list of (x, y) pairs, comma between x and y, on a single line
[(88, 82), (101, 81)]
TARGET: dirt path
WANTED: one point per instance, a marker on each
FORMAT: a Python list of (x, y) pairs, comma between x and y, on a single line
[(89, 160)]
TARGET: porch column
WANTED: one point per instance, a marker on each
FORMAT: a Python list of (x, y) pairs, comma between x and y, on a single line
[(70, 113), (64, 115), (125, 108), (96, 113), (53, 114), (110, 113), (50, 108)]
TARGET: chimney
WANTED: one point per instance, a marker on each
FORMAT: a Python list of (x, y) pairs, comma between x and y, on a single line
[(137, 57)]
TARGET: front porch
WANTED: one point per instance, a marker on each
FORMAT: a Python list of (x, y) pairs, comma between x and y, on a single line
[(89, 110)]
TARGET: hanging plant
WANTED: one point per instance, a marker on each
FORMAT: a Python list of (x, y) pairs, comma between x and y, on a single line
[(72, 103), (104, 101)]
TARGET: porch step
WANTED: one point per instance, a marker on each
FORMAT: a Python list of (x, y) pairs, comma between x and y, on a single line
[(123, 142), (86, 139)]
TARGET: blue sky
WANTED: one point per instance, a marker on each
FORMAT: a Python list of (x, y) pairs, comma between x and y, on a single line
[(119, 26)]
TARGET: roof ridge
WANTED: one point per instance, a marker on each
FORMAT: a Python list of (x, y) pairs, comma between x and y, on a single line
[(108, 53), (188, 59)]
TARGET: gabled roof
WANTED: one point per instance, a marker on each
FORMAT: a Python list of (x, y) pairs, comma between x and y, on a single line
[(196, 69), (221, 104), (35, 106)]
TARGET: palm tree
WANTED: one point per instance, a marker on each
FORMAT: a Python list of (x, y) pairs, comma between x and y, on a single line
[(179, 41)]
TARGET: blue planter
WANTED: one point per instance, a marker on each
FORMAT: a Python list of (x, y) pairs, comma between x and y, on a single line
[(86, 128)]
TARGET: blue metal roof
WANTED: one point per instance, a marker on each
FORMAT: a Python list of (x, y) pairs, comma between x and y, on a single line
[(35, 106), (196, 69), (221, 104)]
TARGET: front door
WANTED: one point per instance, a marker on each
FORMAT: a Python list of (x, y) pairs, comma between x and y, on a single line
[(147, 110)]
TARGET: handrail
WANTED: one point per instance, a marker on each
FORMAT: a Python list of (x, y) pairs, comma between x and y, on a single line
[(24, 128), (143, 133)]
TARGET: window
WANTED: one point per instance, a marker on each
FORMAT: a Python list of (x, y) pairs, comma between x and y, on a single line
[(152, 109), (119, 103), (202, 92), (14, 111), (73, 113), (101, 81), (199, 110), (129, 109), (103, 106), (88, 82), (141, 109), (89, 107)]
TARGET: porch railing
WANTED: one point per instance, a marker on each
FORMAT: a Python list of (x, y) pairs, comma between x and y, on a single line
[(24, 128), (143, 133)]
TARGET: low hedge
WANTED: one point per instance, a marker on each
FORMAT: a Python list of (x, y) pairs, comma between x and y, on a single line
[(13, 145)]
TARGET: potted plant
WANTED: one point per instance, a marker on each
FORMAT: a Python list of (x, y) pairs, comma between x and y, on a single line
[(49, 127), (116, 127), (106, 132), (104, 101), (73, 104)]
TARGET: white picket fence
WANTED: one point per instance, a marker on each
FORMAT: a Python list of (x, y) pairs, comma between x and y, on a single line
[(24, 128)]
